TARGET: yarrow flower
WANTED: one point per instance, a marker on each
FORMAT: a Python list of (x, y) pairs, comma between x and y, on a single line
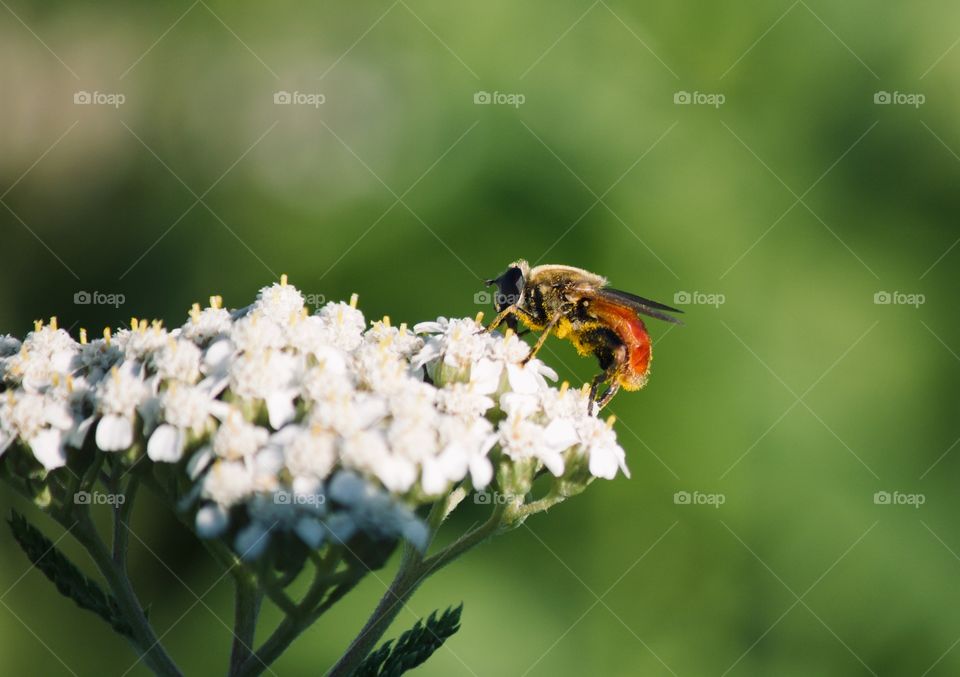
[(282, 424)]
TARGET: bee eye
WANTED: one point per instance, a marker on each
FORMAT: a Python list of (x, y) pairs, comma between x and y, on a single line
[(509, 288)]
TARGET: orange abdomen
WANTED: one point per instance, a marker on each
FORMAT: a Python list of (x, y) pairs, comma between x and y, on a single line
[(633, 333)]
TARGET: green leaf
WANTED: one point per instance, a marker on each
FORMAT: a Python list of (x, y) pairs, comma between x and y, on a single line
[(70, 581), (413, 647)]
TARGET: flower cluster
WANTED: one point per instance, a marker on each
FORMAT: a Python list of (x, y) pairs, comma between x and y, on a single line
[(316, 425)]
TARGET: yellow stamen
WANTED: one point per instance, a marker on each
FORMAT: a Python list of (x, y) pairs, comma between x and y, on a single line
[(195, 312), (479, 318), (304, 312), (353, 300), (508, 333), (143, 325), (611, 421), (215, 302), (83, 336), (53, 322), (283, 280), (133, 324), (564, 387), (386, 320), (37, 325), (403, 328), (107, 335)]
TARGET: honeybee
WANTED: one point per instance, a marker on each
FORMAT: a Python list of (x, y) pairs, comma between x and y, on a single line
[(576, 304)]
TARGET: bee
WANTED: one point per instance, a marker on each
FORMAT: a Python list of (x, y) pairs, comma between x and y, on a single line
[(576, 304)]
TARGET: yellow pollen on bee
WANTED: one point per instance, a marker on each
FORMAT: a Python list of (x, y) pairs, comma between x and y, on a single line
[(479, 318), (610, 421), (107, 335), (283, 280), (53, 322), (83, 336), (354, 298)]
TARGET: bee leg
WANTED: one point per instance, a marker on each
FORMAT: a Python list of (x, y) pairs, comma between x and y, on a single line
[(607, 396), (607, 376), (594, 387), (541, 339), (501, 316)]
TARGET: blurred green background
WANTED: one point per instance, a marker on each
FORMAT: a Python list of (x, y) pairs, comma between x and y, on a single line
[(795, 202)]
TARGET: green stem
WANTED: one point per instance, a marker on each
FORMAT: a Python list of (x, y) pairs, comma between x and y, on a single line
[(246, 612), (144, 639), (413, 571)]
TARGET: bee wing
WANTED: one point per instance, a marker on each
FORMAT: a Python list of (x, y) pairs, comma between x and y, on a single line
[(641, 305)]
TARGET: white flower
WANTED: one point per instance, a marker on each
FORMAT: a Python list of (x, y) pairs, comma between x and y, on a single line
[(42, 421), (236, 439), (605, 455), (206, 325), (178, 360), (46, 353), (343, 325), (313, 426), (122, 392), (279, 302), (271, 377)]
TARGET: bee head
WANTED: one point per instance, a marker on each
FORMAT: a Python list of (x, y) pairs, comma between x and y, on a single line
[(510, 284)]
